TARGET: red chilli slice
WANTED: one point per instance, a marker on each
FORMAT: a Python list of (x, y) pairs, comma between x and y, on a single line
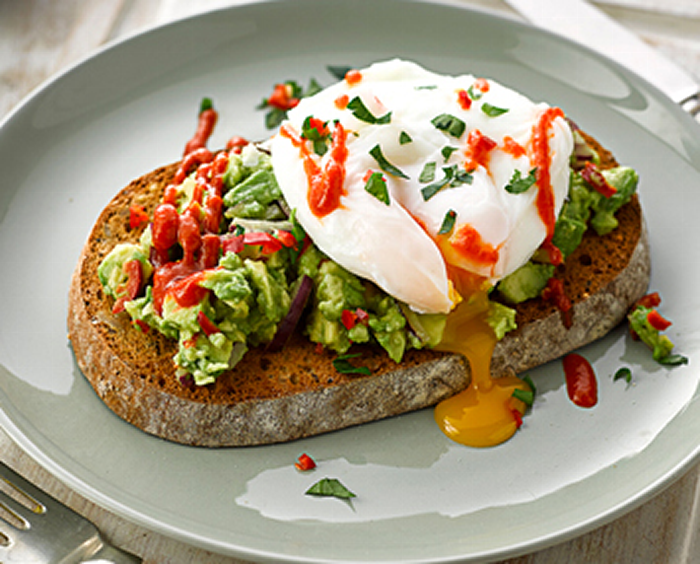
[(595, 178)]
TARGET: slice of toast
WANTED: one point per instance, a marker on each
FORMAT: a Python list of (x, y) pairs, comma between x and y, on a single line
[(279, 396)]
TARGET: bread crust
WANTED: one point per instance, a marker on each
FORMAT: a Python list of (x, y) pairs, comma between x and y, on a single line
[(280, 396)]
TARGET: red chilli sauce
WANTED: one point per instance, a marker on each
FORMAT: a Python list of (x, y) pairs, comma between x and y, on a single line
[(325, 184), (581, 383), (195, 229), (542, 160)]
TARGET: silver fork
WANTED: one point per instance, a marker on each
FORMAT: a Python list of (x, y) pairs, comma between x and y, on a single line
[(36, 528)]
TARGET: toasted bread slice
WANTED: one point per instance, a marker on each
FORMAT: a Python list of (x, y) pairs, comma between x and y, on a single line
[(279, 396)]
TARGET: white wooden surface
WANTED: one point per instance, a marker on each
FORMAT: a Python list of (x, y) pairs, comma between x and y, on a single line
[(41, 37)]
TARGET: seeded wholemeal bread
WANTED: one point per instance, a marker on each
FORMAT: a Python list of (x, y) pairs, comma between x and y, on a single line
[(280, 396)]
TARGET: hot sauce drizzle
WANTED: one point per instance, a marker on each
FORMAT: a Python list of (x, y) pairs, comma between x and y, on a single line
[(325, 184), (581, 383), (542, 160), (467, 242), (196, 229)]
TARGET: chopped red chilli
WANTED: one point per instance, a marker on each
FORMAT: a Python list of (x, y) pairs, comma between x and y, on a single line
[(650, 300), (348, 319), (596, 179), (206, 324), (281, 97), (657, 321), (137, 216), (305, 463), (134, 273), (554, 292), (518, 418)]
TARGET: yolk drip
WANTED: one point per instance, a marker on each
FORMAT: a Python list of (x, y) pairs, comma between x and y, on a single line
[(483, 414)]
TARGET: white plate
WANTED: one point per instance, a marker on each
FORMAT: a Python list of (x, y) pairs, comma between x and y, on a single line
[(77, 140)]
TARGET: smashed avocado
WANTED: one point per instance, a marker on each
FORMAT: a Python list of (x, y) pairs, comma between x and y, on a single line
[(265, 255)]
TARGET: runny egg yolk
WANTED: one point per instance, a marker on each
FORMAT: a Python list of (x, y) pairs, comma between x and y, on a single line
[(484, 414)]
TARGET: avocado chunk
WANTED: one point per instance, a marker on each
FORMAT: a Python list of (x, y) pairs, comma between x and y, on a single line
[(526, 282), (111, 269)]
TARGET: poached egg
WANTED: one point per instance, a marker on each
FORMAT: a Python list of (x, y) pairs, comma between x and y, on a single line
[(410, 178)]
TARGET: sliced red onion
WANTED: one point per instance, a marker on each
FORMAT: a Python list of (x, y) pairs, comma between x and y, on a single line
[(582, 154), (288, 324)]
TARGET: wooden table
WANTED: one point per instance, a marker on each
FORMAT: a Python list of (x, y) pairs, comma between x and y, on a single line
[(41, 37)]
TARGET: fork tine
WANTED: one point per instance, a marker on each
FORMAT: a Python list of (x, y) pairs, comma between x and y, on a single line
[(25, 489), (47, 527), (14, 513)]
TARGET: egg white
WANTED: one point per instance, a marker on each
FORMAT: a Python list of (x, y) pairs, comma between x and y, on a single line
[(395, 245)]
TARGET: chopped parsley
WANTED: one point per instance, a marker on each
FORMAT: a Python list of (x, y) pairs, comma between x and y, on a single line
[(447, 151), (492, 111), (448, 223), (525, 396), (428, 172), (376, 185), (338, 71), (317, 132), (449, 124), (453, 178), (518, 184), (623, 373), (673, 360), (292, 93), (343, 365), (385, 165), (405, 138), (330, 487), (474, 93), (206, 104), (360, 111)]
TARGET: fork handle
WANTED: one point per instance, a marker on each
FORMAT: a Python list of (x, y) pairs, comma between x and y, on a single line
[(109, 554)]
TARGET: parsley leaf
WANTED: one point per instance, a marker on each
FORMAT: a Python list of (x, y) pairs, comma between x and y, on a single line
[(360, 111), (274, 118), (518, 184), (453, 177), (673, 360), (447, 152), (376, 185), (276, 115), (385, 165), (448, 222), (405, 138), (449, 124), (428, 172), (310, 130), (492, 111), (338, 71), (205, 104), (342, 364), (431, 189), (530, 383), (623, 373), (527, 397), (330, 487), (474, 93)]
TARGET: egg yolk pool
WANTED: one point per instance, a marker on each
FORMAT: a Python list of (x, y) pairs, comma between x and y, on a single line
[(485, 413)]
